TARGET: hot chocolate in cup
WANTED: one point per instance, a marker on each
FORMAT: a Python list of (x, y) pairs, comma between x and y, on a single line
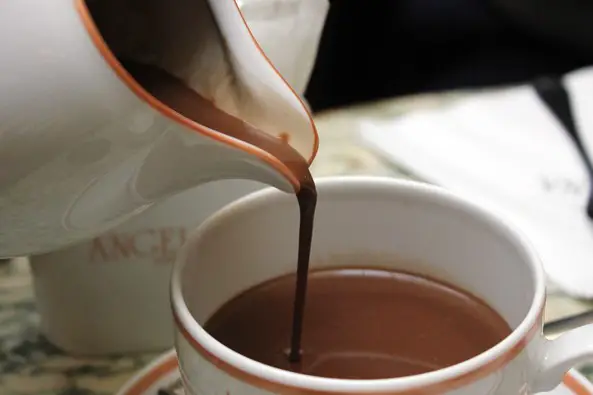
[(370, 223)]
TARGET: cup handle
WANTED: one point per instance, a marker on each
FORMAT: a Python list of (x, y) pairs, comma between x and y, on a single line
[(562, 354)]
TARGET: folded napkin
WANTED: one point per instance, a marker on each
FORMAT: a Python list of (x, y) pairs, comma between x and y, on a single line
[(508, 151)]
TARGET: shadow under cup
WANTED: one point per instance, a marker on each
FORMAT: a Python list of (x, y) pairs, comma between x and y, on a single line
[(362, 221)]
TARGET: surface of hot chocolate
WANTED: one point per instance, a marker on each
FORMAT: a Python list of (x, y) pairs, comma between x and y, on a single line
[(360, 324)]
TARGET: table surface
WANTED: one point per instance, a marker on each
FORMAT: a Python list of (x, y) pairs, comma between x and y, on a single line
[(30, 365)]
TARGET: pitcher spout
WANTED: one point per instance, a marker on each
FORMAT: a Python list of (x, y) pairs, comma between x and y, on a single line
[(180, 161), (207, 83)]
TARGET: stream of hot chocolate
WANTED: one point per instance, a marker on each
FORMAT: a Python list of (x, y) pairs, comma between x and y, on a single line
[(307, 198), (177, 95)]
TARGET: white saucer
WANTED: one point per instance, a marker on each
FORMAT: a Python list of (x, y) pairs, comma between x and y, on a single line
[(163, 374)]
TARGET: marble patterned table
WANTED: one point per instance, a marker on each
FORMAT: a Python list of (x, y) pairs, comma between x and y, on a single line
[(30, 365)]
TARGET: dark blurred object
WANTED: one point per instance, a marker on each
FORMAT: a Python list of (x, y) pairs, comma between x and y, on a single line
[(567, 22), (384, 48)]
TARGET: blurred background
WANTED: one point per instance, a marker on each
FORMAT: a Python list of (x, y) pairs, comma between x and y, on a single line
[(386, 48)]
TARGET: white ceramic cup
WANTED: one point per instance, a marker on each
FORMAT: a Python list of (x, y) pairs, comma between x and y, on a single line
[(378, 221), (110, 294)]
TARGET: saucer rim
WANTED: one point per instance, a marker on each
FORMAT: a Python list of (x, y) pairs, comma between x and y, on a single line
[(166, 363)]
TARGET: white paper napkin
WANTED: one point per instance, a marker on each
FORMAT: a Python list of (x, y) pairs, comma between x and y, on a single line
[(507, 151)]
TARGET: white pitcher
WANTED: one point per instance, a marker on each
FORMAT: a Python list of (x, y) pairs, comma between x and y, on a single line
[(122, 276), (84, 147)]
